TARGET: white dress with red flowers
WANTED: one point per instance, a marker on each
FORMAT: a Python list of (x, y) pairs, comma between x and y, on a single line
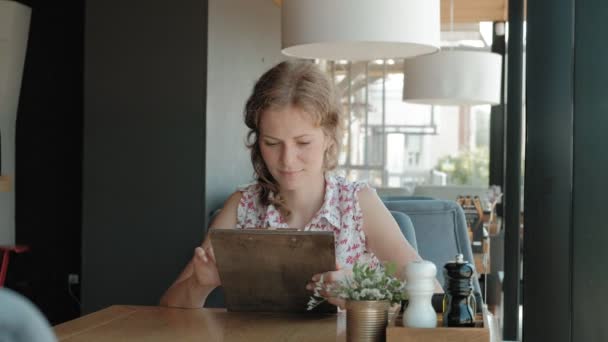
[(340, 213)]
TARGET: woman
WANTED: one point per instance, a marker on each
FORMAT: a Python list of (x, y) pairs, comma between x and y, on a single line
[(295, 127)]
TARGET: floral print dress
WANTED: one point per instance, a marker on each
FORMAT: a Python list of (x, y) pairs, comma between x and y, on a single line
[(340, 214)]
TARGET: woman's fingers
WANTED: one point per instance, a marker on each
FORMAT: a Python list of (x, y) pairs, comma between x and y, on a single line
[(339, 302), (319, 276), (204, 253), (329, 277), (200, 254), (205, 270), (209, 251)]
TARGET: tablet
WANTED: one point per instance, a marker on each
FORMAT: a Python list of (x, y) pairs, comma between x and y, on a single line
[(267, 270)]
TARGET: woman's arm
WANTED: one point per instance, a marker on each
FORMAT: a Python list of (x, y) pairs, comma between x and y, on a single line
[(384, 238), (200, 276)]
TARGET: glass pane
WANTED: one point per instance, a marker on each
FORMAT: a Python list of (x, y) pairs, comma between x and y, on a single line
[(339, 72), (466, 162), (358, 88), (375, 146), (376, 71), (403, 144), (395, 149), (372, 176), (401, 113), (375, 132)]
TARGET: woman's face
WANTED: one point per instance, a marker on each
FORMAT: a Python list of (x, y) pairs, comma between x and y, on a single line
[(293, 148)]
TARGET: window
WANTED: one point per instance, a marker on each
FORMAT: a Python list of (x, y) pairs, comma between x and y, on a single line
[(391, 143)]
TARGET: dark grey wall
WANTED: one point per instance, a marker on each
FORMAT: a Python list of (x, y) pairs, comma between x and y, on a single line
[(566, 165), (244, 41), (590, 192), (144, 139), (549, 157), (48, 160)]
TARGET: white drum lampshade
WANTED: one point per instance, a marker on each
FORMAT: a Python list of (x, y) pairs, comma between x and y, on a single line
[(453, 77), (359, 29), (14, 30)]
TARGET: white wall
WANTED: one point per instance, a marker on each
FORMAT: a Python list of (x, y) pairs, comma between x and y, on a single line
[(244, 40), (14, 28)]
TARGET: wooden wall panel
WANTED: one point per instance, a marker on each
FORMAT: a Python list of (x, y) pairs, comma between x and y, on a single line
[(468, 11)]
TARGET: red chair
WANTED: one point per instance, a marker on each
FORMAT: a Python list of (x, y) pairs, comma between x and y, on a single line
[(6, 252)]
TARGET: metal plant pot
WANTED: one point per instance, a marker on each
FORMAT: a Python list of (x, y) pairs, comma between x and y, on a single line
[(366, 320)]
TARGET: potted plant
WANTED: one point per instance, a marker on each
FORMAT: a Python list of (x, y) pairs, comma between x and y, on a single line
[(368, 292)]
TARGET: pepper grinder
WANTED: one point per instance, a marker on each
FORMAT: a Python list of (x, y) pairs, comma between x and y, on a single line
[(420, 283), (458, 300)]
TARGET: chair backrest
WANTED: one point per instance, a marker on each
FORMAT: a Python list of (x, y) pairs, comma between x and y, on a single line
[(450, 192), (441, 231), (21, 321), (407, 227), (404, 198)]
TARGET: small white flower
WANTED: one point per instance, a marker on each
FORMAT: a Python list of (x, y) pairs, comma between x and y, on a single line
[(367, 283)]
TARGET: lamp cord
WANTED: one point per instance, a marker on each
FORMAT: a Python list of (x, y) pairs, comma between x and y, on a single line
[(451, 21), (452, 16)]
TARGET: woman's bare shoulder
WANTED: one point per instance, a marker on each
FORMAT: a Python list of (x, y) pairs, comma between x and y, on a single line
[(227, 217), (367, 197), (234, 199)]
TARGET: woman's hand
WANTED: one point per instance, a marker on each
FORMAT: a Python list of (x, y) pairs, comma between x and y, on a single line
[(330, 279), (205, 270)]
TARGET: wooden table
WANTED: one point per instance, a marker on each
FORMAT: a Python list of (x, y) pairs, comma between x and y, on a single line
[(151, 323), (148, 323)]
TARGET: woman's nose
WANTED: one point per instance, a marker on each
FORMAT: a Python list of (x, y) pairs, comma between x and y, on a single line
[(288, 155)]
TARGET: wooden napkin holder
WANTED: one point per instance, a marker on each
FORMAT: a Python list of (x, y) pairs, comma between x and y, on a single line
[(396, 332)]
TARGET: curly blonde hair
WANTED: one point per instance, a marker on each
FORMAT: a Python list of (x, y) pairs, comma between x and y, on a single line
[(303, 85)]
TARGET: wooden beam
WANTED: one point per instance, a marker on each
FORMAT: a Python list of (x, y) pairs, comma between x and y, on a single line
[(474, 11), (468, 11), (5, 184)]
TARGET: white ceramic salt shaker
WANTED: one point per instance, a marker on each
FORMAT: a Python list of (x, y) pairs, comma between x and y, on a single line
[(420, 284)]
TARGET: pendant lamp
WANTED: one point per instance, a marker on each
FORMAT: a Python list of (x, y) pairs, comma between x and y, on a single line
[(359, 29), (453, 77)]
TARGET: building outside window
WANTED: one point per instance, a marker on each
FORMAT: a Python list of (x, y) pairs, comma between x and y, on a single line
[(391, 143)]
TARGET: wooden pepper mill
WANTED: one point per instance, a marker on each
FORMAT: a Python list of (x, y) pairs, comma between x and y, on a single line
[(459, 303)]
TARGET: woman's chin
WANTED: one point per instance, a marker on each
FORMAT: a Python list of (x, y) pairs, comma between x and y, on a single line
[(289, 185), (291, 182)]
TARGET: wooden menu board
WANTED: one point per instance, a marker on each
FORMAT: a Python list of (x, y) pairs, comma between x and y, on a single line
[(267, 270)]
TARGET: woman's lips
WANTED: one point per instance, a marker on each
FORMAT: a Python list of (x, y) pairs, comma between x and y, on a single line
[(289, 173)]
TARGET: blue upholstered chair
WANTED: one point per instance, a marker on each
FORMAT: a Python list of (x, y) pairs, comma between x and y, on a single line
[(21, 321), (441, 231), (406, 226), (404, 198)]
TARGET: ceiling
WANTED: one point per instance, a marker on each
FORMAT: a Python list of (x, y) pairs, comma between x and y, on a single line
[(469, 11)]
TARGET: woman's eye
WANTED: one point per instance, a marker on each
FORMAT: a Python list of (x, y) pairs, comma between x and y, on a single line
[(267, 143), (302, 143)]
